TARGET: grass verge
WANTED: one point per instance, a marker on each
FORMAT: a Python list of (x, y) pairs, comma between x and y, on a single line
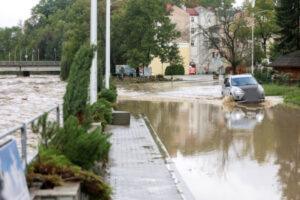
[(291, 94)]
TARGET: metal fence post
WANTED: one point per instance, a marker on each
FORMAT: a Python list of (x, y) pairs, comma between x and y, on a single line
[(24, 144), (58, 115)]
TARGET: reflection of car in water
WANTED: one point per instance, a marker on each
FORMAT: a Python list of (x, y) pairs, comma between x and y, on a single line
[(243, 88), (244, 118)]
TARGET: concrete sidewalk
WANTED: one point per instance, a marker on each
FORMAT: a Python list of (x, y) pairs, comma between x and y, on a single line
[(137, 170)]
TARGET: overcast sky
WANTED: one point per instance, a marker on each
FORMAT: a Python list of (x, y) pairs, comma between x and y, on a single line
[(12, 11)]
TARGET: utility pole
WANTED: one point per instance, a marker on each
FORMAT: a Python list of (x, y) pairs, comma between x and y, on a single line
[(26, 56), (252, 56), (93, 42), (107, 58), (32, 53)]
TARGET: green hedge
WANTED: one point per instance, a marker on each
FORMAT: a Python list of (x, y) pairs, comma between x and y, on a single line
[(175, 70)]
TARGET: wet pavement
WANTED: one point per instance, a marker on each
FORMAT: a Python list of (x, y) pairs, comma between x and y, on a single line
[(242, 152), (137, 169)]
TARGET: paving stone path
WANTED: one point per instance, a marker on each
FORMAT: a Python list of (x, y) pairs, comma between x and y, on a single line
[(137, 170)]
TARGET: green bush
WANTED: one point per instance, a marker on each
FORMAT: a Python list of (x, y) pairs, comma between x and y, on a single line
[(102, 112), (76, 96), (281, 79), (51, 168), (174, 70), (264, 75), (80, 147), (299, 81), (159, 76), (109, 95)]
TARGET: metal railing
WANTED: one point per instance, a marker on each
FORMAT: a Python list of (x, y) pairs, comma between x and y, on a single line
[(23, 128), (30, 63)]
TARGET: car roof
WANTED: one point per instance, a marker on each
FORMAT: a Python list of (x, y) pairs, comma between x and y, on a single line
[(239, 76)]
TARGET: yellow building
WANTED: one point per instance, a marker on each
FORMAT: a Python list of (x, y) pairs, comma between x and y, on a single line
[(182, 20)]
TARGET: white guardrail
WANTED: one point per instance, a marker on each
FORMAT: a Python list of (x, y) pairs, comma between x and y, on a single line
[(23, 128)]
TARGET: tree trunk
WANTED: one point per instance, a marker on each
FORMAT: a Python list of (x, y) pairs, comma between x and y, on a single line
[(234, 68), (137, 72), (265, 47)]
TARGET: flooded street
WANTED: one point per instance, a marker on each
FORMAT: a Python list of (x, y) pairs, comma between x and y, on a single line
[(245, 152), (235, 152)]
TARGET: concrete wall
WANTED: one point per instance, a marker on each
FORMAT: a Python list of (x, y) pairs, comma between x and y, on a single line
[(184, 49)]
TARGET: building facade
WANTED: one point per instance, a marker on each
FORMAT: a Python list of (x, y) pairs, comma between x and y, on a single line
[(182, 20), (203, 55)]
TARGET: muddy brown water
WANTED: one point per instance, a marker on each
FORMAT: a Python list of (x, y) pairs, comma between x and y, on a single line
[(245, 153)]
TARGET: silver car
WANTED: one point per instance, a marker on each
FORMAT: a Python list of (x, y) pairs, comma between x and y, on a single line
[(243, 88)]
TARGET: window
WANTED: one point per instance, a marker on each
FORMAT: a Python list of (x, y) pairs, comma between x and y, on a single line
[(243, 81), (205, 43), (192, 43), (192, 30), (192, 19)]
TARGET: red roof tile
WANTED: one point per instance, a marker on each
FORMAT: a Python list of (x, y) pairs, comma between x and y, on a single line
[(192, 11), (169, 7)]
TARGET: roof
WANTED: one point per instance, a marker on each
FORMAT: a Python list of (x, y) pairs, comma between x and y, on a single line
[(289, 60), (169, 7), (192, 11)]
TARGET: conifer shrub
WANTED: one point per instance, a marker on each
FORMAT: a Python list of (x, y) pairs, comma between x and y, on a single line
[(76, 96), (102, 112), (52, 168), (80, 147), (109, 95), (175, 70)]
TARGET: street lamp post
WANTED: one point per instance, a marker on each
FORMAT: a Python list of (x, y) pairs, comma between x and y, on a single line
[(107, 49), (93, 42)]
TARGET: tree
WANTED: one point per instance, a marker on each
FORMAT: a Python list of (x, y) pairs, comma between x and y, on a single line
[(76, 96), (288, 19), (208, 3), (265, 21), (146, 31), (230, 37)]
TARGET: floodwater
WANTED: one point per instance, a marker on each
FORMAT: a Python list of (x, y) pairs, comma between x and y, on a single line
[(246, 152), (22, 98)]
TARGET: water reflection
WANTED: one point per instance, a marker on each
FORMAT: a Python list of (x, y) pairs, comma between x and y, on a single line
[(245, 153), (244, 117)]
